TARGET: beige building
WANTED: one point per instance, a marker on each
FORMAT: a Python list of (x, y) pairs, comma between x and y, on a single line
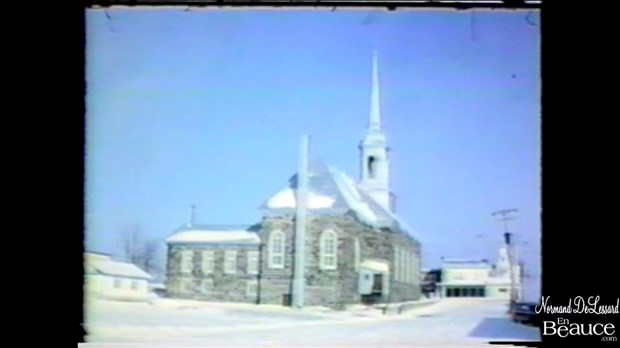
[(107, 279)]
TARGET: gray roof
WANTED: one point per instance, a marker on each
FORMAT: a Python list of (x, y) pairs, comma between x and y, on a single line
[(327, 181)]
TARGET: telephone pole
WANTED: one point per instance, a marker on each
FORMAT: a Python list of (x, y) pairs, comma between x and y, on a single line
[(505, 216), (300, 225)]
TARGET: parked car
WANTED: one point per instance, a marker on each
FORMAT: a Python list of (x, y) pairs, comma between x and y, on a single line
[(525, 312)]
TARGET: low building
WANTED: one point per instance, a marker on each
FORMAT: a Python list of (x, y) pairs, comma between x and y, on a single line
[(472, 278), (108, 279)]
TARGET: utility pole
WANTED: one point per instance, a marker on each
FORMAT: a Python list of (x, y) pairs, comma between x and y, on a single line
[(504, 216), (300, 225)]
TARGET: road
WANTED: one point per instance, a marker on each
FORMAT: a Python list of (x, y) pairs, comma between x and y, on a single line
[(451, 323)]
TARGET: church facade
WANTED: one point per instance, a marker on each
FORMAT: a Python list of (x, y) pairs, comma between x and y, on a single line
[(356, 248)]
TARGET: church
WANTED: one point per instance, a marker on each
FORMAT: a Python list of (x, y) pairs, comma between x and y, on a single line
[(356, 249)]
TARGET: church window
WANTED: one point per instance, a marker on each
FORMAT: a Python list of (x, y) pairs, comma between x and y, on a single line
[(276, 249), (406, 266), (208, 261), (186, 261), (230, 261), (252, 262), (356, 254), (395, 264), (328, 250), (403, 265)]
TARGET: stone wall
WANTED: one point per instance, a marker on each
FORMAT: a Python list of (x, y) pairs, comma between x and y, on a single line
[(213, 286), (333, 288)]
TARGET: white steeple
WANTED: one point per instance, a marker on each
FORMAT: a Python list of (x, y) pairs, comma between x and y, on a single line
[(375, 110), (375, 169)]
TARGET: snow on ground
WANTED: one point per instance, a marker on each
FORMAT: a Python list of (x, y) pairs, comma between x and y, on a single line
[(449, 322)]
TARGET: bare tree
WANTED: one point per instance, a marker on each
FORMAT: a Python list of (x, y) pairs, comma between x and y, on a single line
[(142, 253)]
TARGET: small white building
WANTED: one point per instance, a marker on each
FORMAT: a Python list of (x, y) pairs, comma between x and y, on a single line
[(467, 278), (105, 278)]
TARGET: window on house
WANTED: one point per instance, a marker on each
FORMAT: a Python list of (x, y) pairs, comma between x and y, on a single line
[(187, 285), (230, 261), (328, 250), (208, 261), (356, 254), (134, 285), (276, 249), (252, 262), (251, 289), (187, 261), (207, 285), (117, 283)]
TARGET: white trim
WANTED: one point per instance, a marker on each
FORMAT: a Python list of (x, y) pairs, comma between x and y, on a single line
[(187, 261), (328, 253), (376, 266), (208, 261), (230, 261), (276, 253), (252, 266)]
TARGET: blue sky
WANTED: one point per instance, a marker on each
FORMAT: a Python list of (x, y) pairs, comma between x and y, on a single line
[(208, 107)]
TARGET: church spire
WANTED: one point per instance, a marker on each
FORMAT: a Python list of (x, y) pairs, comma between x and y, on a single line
[(375, 108), (375, 168)]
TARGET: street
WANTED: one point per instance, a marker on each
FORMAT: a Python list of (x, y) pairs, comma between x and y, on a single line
[(448, 323)]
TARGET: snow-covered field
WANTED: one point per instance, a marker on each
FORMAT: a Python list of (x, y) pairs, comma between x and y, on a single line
[(450, 322)]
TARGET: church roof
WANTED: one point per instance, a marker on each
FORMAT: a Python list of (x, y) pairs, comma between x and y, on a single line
[(237, 234), (331, 191)]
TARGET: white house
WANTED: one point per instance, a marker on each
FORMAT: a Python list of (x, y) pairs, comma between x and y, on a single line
[(467, 278), (105, 278)]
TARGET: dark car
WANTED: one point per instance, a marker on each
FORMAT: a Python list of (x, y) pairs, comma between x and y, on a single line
[(525, 312)]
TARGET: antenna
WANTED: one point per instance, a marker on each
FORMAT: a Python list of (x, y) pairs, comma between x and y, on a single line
[(192, 214)]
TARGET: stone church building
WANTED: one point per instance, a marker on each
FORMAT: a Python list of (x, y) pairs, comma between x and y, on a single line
[(356, 249)]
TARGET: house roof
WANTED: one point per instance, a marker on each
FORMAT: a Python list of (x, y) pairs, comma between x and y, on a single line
[(330, 190), (120, 269), (237, 234)]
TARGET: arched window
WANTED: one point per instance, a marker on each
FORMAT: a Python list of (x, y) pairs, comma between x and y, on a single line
[(372, 164), (395, 265), (328, 250), (356, 254), (276, 249)]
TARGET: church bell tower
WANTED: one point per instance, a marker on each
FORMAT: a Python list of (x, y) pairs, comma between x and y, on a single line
[(375, 166)]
